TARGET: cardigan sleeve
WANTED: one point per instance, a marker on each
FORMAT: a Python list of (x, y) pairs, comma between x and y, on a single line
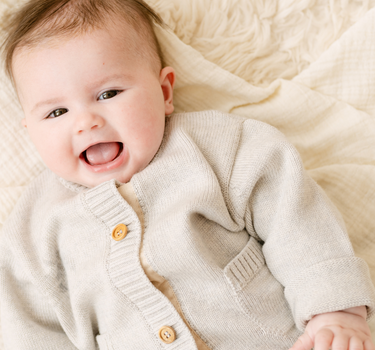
[(27, 317), (305, 243)]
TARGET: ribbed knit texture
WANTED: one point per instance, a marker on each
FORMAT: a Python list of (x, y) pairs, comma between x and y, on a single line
[(249, 243)]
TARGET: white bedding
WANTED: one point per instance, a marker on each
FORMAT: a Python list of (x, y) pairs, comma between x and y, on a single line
[(286, 63)]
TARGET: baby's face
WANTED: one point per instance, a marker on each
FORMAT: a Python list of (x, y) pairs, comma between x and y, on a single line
[(94, 109)]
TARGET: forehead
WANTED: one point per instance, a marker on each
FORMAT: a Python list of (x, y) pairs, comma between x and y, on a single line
[(137, 39)]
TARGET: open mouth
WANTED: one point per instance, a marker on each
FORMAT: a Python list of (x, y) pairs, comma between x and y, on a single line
[(102, 153)]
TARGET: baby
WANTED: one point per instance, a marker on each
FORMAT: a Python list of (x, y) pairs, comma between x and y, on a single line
[(154, 230)]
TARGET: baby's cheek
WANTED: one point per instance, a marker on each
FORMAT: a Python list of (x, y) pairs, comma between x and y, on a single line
[(55, 156)]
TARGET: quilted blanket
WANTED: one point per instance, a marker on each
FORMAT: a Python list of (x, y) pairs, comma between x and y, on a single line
[(306, 67)]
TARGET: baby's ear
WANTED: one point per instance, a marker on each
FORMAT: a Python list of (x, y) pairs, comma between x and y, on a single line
[(23, 122), (167, 79)]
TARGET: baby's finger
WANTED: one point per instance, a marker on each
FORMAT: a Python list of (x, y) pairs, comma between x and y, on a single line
[(304, 342), (342, 341), (356, 343), (323, 339)]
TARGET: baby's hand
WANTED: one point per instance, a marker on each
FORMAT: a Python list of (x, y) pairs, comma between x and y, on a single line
[(341, 330)]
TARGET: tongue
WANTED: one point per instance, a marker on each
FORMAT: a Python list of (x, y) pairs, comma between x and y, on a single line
[(102, 153)]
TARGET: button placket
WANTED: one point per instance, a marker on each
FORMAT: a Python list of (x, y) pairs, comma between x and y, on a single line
[(126, 255)]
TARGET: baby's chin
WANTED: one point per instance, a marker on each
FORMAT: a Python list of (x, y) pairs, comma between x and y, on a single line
[(89, 179)]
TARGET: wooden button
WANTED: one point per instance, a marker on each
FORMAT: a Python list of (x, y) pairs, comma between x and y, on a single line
[(119, 232), (167, 334)]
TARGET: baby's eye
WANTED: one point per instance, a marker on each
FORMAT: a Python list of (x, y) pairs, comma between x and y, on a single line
[(108, 94), (57, 112)]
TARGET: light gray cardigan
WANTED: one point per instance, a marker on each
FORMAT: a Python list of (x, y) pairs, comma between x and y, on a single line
[(223, 197)]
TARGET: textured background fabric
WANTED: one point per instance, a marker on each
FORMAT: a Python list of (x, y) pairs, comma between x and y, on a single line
[(305, 67)]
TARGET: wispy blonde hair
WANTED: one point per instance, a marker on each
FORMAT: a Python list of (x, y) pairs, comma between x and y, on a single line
[(39, 20)]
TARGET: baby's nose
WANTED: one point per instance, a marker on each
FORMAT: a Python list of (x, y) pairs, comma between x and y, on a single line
[(88, 121)]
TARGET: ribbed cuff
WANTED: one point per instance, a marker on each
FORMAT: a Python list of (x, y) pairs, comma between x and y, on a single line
[(332, 285)]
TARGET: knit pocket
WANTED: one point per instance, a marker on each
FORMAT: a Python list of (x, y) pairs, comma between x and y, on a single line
[(259, 294), (244, 267)]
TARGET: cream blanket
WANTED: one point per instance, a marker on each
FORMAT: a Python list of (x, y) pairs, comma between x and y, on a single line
[(284, 62)]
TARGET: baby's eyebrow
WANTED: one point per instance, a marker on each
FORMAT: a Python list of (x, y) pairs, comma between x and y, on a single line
[(51, 101), (116, 76)]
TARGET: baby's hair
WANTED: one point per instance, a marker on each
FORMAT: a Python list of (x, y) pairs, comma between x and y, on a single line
[(39, 20)]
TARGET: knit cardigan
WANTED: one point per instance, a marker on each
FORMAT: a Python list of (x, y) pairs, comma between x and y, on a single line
[(251, 246)]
